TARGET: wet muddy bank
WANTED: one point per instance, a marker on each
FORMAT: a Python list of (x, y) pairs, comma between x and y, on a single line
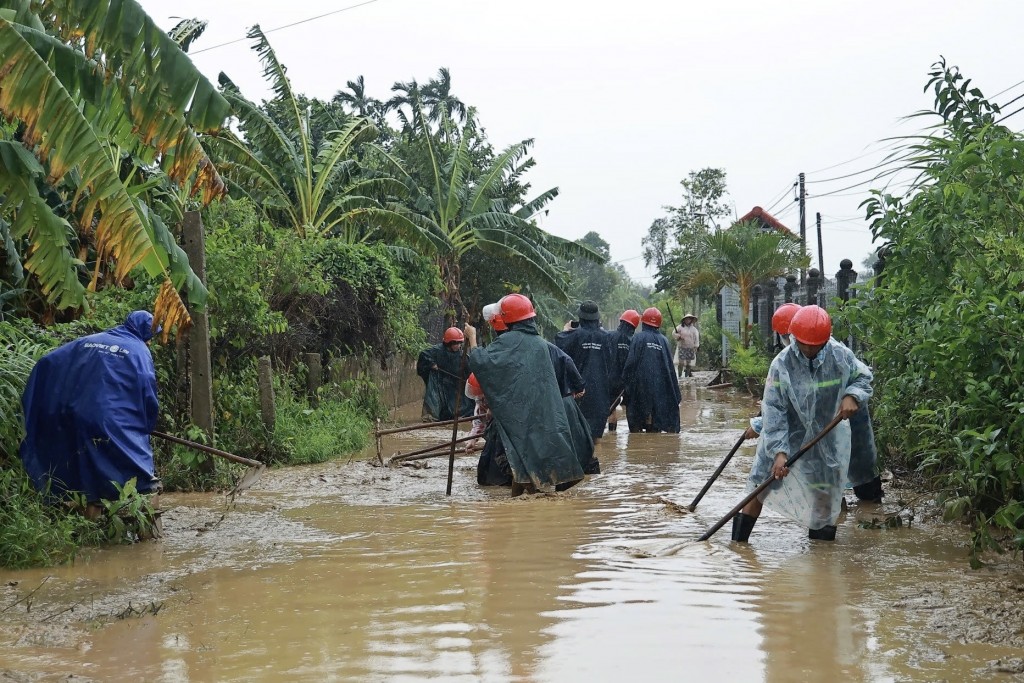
[(350, 571)]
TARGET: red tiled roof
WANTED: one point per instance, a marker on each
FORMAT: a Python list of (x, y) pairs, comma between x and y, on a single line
[(766, 219)]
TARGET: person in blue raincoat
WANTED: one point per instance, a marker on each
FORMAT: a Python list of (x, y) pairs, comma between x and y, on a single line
[(90, 406), (440, 367), (592, 349), (652, 391), (809, 383), (516, 374), (621, 338)]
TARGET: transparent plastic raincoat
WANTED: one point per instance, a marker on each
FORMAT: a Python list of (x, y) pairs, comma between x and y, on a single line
[(801, 397)]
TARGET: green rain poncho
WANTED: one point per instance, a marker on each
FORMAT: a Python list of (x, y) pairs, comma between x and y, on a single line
[(516, 374), (441, 388)]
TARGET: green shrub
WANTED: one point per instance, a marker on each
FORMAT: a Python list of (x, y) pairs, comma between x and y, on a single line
[(747, 363), (33, 533), (310, 435), (710, 352), (943, 327)]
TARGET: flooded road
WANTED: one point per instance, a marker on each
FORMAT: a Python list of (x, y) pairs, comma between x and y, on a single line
[(345, 571)]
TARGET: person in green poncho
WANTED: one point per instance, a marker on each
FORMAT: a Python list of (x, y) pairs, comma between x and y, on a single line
[(439, 366), (516, 374)]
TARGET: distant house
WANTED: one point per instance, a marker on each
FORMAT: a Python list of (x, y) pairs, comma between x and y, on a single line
[(767, 222)]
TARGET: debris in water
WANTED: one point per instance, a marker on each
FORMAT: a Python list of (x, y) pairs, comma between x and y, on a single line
[(674, 506)]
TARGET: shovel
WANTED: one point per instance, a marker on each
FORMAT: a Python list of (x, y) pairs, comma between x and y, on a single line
[(736, 447), (672, 549), (256, 468)]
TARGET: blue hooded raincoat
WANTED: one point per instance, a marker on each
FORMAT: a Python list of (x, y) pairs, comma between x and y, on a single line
[(90, 406)]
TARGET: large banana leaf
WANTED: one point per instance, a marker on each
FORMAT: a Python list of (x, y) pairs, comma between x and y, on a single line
[(141, 90), (64, 140)]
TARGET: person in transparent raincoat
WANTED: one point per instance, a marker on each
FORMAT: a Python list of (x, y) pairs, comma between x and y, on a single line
[(809, 383)]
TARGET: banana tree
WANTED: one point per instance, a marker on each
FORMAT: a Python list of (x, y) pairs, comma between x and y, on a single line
[(316, 192), (469, 207), (745, 255), (87, 83)]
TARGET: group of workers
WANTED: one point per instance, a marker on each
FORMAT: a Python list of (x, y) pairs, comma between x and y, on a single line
[(539, 407)]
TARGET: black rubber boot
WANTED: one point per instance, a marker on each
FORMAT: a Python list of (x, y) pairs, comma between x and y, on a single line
[(825, 533), (742, 525), (612, 426), (870, 492)]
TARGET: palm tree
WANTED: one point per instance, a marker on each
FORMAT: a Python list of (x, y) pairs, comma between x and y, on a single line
[(86, 96), (357, 100), (745, 255), (316, 193), (441, 103), (408, 95), (466, 207)]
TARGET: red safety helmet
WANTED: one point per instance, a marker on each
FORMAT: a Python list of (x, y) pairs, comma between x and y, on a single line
[(631, 317), (784, 316), (811, 325), (652, 317), (473, 389), (516, 307), (453, 334)]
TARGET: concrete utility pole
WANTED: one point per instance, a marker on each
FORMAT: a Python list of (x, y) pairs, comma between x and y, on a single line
[(803, 222), (201, 376), (821, 249)]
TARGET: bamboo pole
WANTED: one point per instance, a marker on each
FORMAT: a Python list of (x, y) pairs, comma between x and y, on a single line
[(436, 454), (428, 449), (410, 428)]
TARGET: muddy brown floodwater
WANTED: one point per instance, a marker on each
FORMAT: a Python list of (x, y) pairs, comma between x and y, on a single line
[(345, 571)]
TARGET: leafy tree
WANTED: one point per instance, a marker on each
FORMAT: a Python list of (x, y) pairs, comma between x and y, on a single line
[(314, 192), (593, 280), (745, 255), (676, 244), (943, 333), (468, 206), (98, 93)]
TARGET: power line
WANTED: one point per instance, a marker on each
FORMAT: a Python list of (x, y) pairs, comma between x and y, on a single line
[(782, 196), (890, 172), (1003, 118), (894, 160), (844, 163), (631, 258), (1010, 88), (281, 28)]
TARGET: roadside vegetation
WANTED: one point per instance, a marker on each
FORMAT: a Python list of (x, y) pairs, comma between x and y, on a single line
[(354, 228), (945, 321), (358, 228)]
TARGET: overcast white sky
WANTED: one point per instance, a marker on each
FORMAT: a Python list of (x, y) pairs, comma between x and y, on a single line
[(624, 99)]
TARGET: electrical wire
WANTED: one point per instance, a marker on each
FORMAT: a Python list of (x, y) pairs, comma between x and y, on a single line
[(281, 28), (782, 196), (848, 161), (890, 172), (1010, 88), (876, 167)]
